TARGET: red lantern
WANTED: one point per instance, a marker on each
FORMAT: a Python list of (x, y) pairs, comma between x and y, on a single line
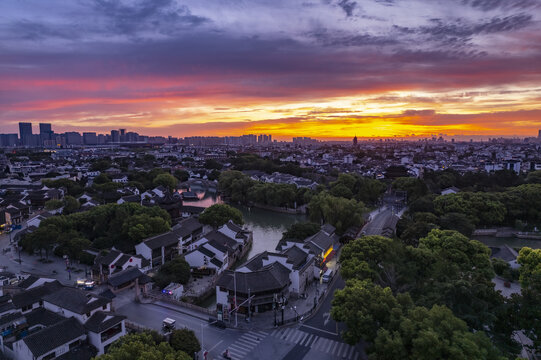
[(131, 259)]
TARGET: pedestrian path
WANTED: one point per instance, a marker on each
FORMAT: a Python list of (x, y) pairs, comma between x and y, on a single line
[(242, 347), (339, 349)]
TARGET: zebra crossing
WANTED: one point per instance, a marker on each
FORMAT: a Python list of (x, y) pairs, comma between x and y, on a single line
[(245, 344), (339, 349)]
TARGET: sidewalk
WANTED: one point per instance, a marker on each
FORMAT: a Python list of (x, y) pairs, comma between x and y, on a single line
[(295, 308)]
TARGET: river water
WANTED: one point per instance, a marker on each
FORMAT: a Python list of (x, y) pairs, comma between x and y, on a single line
[(266, 225), (512, 242)]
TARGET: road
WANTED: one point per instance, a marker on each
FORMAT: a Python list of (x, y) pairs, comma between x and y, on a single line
[(281, 343), (378, 222), (316, 338), (30, 264)]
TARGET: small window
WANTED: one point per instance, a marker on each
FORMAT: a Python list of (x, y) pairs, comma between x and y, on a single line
[(104, 307), (50, 356)]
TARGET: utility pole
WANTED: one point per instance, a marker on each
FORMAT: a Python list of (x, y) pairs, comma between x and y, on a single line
[(249, 305), (235, 299)]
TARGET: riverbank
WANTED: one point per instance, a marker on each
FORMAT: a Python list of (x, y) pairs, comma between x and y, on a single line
[(507, 233)]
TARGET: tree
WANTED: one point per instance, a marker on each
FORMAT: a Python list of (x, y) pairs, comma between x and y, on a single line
[(176, 270), (166, 180), (182, 175), (71, 205), (53, 204), (374, 257), (458, 222), (101, 179), (184, 340), (142, 347), (301, 231), (534, 177), (415, 188), (424, 334), (212, 164), (219, 214), (339, 212), (530, 268), (365, 308)]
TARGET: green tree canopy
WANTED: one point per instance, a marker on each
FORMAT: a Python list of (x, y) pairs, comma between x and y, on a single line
[(53, 204), (176, 270), (182, 175), (219, 214), (415, 187), (71, 205), (301, 231), (424, 334), (184, 340), (166, 180), (530, 268), (339, 212), (142, 347)]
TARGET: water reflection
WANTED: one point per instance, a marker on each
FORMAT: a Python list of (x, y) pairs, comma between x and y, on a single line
[(509, 241), (266, 225)]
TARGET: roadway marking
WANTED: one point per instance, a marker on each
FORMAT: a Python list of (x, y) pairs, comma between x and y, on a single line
[(327, 317), (318, 329), (218, 343)]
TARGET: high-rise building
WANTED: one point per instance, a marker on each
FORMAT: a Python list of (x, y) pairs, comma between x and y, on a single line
[(539, 134), (90, 138), (45, 132), (25, 133), (73, 138), (115, 136), (355, 141)]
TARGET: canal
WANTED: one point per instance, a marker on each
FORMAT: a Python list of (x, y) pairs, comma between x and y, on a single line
[(267, 226), (513, 242)]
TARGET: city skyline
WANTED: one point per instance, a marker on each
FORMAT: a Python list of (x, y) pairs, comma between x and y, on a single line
[(327, 70)]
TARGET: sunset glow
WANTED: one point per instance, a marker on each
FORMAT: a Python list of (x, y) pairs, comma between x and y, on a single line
[(324, 69)]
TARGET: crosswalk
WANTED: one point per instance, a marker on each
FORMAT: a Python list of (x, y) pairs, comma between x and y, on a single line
[(245, 344), (338, 349)]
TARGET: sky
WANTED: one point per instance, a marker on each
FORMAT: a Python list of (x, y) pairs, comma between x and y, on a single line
[(328, 69)]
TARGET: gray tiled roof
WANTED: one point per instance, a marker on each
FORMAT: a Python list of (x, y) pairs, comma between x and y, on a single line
[(32, 296), (166, 239), (296, 256), (76, 300), (49, 338), (320, 240), (187, 226), (109, 258), (272, 277), (222, 239), (125, 276), (101, 321), (41, 316)]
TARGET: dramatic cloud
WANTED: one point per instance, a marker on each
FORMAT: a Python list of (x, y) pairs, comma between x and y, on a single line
[(389, 66)]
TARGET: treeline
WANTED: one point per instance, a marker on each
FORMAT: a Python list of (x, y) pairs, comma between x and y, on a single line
[(433, 301), (102, 227), (478, 181), (241, 189), (253, 162), (338, 206), (519, 207)]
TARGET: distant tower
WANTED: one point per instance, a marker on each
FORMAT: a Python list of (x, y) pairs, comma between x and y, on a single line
[(539, 134), (355, 141)]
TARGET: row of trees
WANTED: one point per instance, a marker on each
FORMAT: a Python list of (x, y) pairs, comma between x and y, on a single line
[(102, 227), (150, 345), (356, 187), (423, 302), (516, 206), (254, 162), (241, 189)]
